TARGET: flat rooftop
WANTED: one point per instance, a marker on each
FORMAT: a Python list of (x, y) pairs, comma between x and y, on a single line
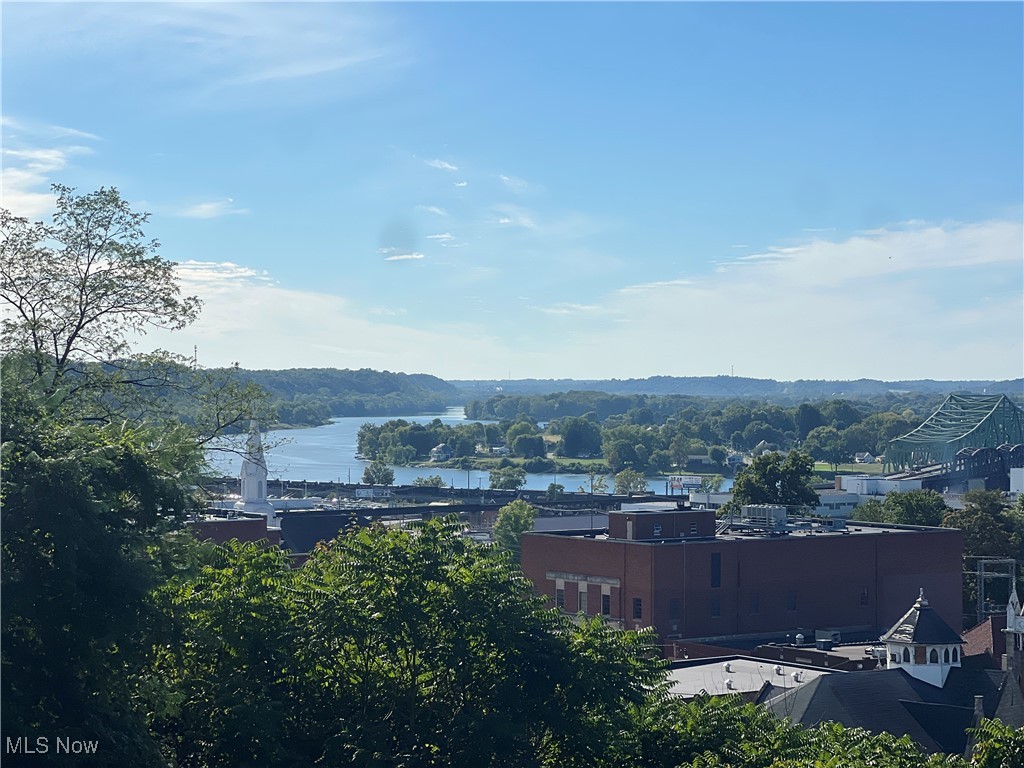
[(799, 531), (737, 674)]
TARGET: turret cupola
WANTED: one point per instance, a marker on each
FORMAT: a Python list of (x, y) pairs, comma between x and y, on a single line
[(923, 645)]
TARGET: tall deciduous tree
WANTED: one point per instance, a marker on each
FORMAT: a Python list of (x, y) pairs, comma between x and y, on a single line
[(78, 288), (514, 519), (378, 473), (630, 481), (772, 479), (507, 478), (826, 444)]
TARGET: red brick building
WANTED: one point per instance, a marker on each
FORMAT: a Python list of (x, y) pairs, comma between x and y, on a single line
[(671, 570)]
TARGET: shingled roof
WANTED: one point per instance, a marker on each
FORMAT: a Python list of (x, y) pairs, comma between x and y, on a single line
[(894, 701), (921, 625)]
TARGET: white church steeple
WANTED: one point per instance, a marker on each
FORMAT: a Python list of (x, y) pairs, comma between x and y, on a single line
[(254, 478)]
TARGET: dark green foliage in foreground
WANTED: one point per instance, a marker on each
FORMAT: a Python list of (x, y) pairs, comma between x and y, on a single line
[(86, 511), (390, 647)]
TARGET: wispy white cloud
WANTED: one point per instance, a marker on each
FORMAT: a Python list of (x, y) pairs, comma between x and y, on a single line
[(29, 167), (513, 183), (903, 302), (643, 287), (392, 253), (212, 210), (218, 45), (236, 326), (461, 183), (217, 277), (434, 209), (513, 215), (568, 308), (442, 165), (387, 311), (442, 236)]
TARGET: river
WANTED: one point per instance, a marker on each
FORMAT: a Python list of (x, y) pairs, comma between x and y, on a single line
[(328, 453)]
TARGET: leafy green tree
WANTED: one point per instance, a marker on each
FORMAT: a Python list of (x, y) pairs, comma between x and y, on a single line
[(390, 647), (79, 287), (513, 521), (871, 511), (987, 528), (554, 491), (580, 438), (432, 481), (507, 478), (711, 483), (595, 484), (630, 481), (224, 684), (378, 473), (807, 417), (997, 745), (100, 447), (717, 454), (529, 446), (772, 479), (826, 444), (915, 507), (86, 512), (520, 429)]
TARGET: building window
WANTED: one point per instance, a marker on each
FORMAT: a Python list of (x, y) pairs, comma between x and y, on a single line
[(716, 569), (755, 603), (657, 530), (583, 602), (864, 596), (716, 607), (894, 658), (956, 655), (933, 657), (791, 600), (606, 605), (638, 608), (906, 655), (673, 609), (920, 654), (560, 598), (693, 529), (945, 656)]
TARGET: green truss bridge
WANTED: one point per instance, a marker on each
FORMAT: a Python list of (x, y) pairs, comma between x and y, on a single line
[(963, 425)]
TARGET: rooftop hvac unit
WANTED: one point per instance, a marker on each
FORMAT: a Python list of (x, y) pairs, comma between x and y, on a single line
[(779, 670), (798, 676), (727, 666), (770, 516), (728, 683)]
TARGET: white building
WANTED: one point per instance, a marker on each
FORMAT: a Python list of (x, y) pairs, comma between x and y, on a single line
[(923, 645)]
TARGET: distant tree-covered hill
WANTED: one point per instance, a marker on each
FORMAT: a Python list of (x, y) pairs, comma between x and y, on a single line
[(735, 386), (311, 396)]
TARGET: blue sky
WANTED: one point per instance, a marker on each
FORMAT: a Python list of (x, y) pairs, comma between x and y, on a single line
[(478, 190)]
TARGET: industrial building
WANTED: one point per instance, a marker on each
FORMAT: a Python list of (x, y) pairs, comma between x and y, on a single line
[(680, 571)]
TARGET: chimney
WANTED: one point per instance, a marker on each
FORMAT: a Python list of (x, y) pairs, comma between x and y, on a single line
[(976, 718), (838, 483)]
